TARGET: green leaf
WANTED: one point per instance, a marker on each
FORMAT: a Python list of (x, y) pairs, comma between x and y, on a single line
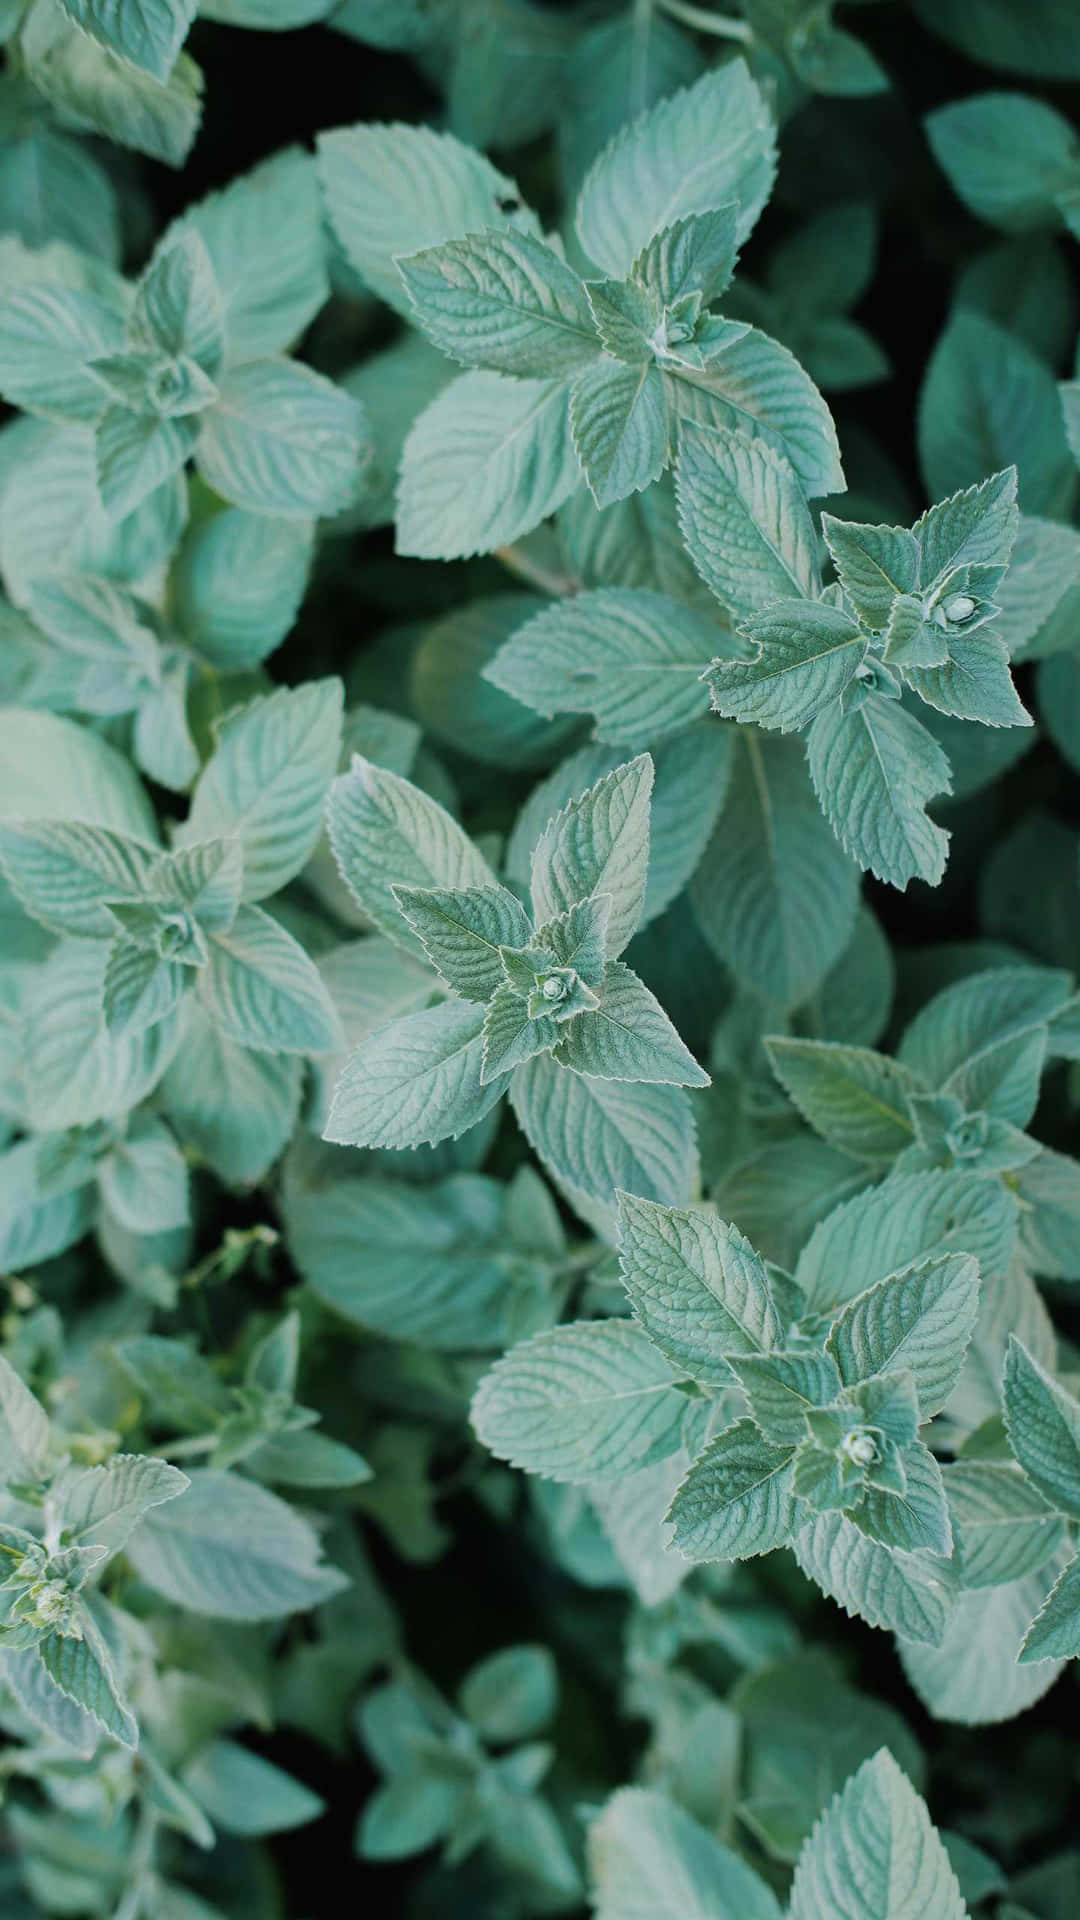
[(874, 769), (632, 659), (77, 1072), (909, 1593), (973, 1038), (973, 684), (264, 991), (1054, 1634), (782, 1388), (875, 565), (47, 337), (386, 832), (695, 254), (649, 1860), (144, 1180), (874, 1855), (974, 1677), (696, 1286), (136, 455), (83, 1672), (988, 402), (1048, 1189), (232, 1551), (242, 1793), (1002, 1525), (599, 843), (737, 1499), (461, 930), (1043, 1424), (234, 1108), (755, 384), (1007, 156), (104, 1505), (148, 33), (915, 1521), (264, 235), (589, 1401), (432, 1268), (774, 895), (744, 518), (101, 91), (457, 698), (901, 1223), (512, 1035), (702, 148), (484, 463), (393, 190), (599, 1136), (177, 307), (512, 1694), (627, 1037), (64, 872), (920, 1319), (238, 581), (281, 439), (268, 778), (501, 300), (856, 1099), (619, 422), (807, 654), (24, 1429), (417, 1080)]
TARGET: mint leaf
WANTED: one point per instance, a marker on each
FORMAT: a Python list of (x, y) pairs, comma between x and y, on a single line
[(737, 1499), (632, 659), (874, 1854), (707, 146), (744, 518), (696, 1286), (501, 300), (588, 1401)]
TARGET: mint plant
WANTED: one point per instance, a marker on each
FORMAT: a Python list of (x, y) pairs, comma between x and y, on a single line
[(539, 1031)]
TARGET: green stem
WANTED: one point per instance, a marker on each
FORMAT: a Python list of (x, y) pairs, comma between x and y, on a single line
[(537, 575), (703, 21)]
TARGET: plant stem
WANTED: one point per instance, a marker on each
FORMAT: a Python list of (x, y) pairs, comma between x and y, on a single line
[(537, 575), (703, 21)]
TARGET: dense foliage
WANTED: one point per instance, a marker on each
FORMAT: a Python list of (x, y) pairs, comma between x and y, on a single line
[(539, 906)]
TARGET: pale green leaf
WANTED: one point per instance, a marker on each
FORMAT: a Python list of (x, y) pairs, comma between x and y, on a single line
[(599, 1136), (484, 463), (649, 1860), (807, 654), (599, 843), (704, 147), (744, 518), (265, 992), (392, 190), (874, 1855), (920, 1319), (281, 439), (501, 300), (627, 1037), (268, 778), (737, 1499), (774, 895), (632, 659), (233, 1551), (874, 770), (696, 1286), (417, 1080), (589, 1401), (1043, 1423), (856, 1099)]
